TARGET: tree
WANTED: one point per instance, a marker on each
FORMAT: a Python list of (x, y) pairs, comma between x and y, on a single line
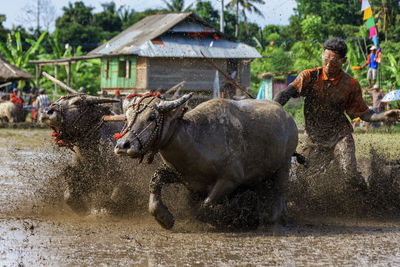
[(37, 15), (247, 5), (177, 5), (385, 15), (108, 20), (339, 11), (3, 31), (76, 26), (206, 12)]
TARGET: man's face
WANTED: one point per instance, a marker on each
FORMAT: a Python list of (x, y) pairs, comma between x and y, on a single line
[(332, 63)]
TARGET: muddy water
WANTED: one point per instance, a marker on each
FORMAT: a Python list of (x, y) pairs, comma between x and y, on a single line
[(37, 229)]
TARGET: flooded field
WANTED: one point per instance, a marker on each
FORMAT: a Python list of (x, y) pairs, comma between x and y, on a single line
[(38, 229)]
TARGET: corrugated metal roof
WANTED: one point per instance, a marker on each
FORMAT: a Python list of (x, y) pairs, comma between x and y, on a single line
[(9, 72), (169, 28), (190, 47), (148, 28)]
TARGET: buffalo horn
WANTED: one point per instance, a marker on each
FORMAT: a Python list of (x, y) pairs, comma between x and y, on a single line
[(97, 100), (165, 105)]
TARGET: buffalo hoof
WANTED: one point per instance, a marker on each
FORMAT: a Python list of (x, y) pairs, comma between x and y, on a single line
[(77, 204), (162, 215)]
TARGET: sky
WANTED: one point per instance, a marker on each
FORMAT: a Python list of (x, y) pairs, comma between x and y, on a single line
[(275, 11)]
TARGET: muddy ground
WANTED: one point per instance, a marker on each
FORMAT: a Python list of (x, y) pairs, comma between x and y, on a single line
[(38, 229)]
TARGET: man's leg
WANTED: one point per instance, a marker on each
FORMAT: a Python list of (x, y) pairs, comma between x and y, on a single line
[(369, 78), (345, 154)]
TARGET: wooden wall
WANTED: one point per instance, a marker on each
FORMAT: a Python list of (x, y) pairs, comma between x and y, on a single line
[(163, 73)]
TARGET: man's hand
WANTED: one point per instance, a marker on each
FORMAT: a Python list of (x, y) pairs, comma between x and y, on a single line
[(392, 115)]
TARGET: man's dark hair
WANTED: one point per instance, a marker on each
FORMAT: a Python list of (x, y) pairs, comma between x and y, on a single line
[(336, 45)]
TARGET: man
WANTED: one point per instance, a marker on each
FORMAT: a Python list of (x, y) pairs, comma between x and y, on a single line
[(42, 102), (373, 67), (14, 97), (377, 96), (117, 107), (328, 93)]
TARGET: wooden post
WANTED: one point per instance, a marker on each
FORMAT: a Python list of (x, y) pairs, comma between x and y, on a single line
[(38, 73), (55, 85), (69, 73)]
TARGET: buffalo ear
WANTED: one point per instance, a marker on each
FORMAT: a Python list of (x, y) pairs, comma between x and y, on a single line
[(167, 105)]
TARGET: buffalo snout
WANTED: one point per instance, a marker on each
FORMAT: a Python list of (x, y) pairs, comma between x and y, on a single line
[(122, 147)]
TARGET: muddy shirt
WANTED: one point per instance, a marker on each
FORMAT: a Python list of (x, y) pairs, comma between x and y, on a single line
[(325, 103)]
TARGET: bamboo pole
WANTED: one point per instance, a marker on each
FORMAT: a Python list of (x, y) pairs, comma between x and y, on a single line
[(60, 83)]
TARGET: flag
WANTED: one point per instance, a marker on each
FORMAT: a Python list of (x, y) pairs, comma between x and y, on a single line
[(370, 22), (261, 91), (375, 40), (364, 5), (216, 93), (372, 32), (367, 13)]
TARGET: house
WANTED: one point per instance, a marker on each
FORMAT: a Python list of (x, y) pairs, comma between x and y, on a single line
[(11, 73), (163, 50), (274, 82)]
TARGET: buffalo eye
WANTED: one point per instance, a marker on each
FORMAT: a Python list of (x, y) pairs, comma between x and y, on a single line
[(152, 117)]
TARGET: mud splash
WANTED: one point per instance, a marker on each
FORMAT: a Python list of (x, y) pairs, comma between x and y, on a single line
[(37, 228)]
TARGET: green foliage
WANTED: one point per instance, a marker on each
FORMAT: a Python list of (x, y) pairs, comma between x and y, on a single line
[(205, 11), (312, 27), (297, 112), (3, 31), (307, 55), (14, 52), (338, 11), (177, 5), (108, 20)]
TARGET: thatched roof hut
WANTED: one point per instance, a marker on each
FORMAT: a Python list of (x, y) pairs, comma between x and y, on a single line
[(9, 72)]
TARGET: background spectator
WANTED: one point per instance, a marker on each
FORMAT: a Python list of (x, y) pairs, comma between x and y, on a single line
[(42, 102)]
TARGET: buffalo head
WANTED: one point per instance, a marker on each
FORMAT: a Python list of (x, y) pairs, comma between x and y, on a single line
[(148, 124), (74, 114)]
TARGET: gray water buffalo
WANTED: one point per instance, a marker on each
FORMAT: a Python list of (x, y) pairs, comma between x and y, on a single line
[(213, 149), (9, 112), (77, 121)]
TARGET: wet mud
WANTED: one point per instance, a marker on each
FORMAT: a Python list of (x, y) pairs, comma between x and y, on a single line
[(324, 224)]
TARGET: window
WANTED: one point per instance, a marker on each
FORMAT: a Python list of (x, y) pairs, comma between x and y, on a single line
[(124, 69), (121, 68), (106, 67)]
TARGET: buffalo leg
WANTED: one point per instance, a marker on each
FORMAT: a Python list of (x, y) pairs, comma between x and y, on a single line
[(221, 188), (280, 188), (156, 207)]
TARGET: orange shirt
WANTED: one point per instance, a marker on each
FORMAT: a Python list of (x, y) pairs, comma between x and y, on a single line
[(325, 103)]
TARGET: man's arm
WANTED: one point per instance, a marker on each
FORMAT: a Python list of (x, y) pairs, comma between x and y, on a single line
[(283, 96), (368, 61), (372, 116)]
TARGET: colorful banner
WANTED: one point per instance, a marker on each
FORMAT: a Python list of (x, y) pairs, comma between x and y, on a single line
[(375, 40), (372, 32), (370, 22), (365, 5), (367, 13)]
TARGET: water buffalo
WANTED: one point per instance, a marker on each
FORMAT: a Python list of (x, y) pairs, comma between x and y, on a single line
[(9, 112), (77, 121), (213, 149)]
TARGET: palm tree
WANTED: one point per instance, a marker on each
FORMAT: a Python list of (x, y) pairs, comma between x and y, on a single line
[(247, 5), (386, 15), (177, 5)]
